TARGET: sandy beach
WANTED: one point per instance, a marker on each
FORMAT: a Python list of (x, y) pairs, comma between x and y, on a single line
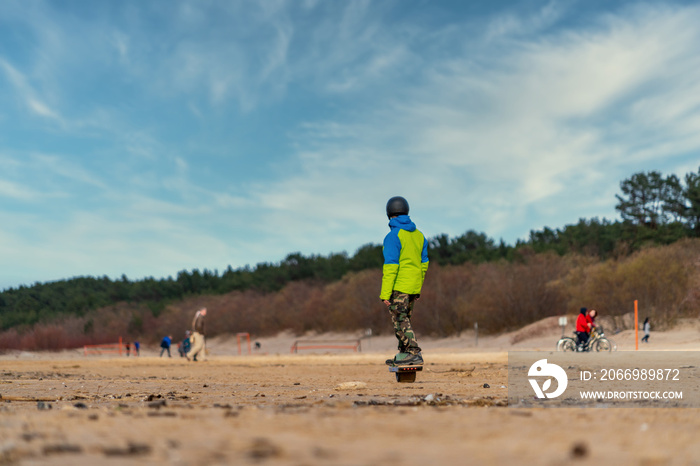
[(320, 407)]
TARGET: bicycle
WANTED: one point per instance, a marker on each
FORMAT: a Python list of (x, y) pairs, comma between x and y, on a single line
[(597, 342)]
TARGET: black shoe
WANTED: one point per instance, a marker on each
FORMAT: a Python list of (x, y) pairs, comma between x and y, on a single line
[(412, 360)]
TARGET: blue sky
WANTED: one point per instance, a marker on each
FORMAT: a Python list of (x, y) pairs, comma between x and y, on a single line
[(149, 137)]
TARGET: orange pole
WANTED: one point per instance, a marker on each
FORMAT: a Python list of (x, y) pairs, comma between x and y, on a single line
[(636, 325)]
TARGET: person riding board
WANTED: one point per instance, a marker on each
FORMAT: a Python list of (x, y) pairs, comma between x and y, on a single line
[(405, 252)]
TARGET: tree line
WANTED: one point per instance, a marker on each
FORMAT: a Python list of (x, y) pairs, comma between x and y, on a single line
[(655, 210), (499, 296)]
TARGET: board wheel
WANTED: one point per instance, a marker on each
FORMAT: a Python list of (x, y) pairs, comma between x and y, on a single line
[(405, 377)]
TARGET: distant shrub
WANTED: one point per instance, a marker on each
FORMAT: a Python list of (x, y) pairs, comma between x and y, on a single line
[(499, 296), (10, 339), (662, 279)]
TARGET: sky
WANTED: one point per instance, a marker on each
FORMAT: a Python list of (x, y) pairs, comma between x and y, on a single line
[(143, 138)]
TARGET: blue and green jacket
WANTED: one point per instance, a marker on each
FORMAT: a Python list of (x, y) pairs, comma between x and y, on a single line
[(405, 258)]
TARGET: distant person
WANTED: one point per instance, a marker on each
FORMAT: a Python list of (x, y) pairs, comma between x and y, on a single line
[(137, 348), (646, 327), (583, 328), (592, 314), (185, 345), (405, 252), (128, 349), (197, 338), (165, 345)]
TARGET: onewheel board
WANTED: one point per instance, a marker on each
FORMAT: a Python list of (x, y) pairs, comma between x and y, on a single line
[(405, 374)]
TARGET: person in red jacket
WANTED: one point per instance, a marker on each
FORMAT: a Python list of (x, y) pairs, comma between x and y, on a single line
[(591, 319), (583, 328)]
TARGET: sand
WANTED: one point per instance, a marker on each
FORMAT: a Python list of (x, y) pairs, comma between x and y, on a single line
[(319, 407)]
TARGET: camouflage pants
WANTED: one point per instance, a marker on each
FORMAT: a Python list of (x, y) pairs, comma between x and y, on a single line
[(401, 308)]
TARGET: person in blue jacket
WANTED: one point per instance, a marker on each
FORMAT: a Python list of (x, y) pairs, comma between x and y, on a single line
[(405, 264), (165, 345)]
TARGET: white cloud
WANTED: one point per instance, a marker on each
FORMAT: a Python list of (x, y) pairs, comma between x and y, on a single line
[(492, 140), (121, 43), (27, 93), (40, 108), (500, 124), (17, 191), (53, 166), (181, 165), (14, 76), (510, 24)]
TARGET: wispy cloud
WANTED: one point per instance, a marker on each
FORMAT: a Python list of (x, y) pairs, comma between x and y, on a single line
[(17, 191), (61, 167), (26, 93), (535, 124), (510, 24)]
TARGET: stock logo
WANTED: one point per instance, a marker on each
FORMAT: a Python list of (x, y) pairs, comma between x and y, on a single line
[(542, 368)]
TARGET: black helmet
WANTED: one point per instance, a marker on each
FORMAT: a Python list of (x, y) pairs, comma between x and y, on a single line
[(397, 205)]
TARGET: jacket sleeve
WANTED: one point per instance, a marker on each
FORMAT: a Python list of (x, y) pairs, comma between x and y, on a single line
[(392, 252), (424, 258)]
